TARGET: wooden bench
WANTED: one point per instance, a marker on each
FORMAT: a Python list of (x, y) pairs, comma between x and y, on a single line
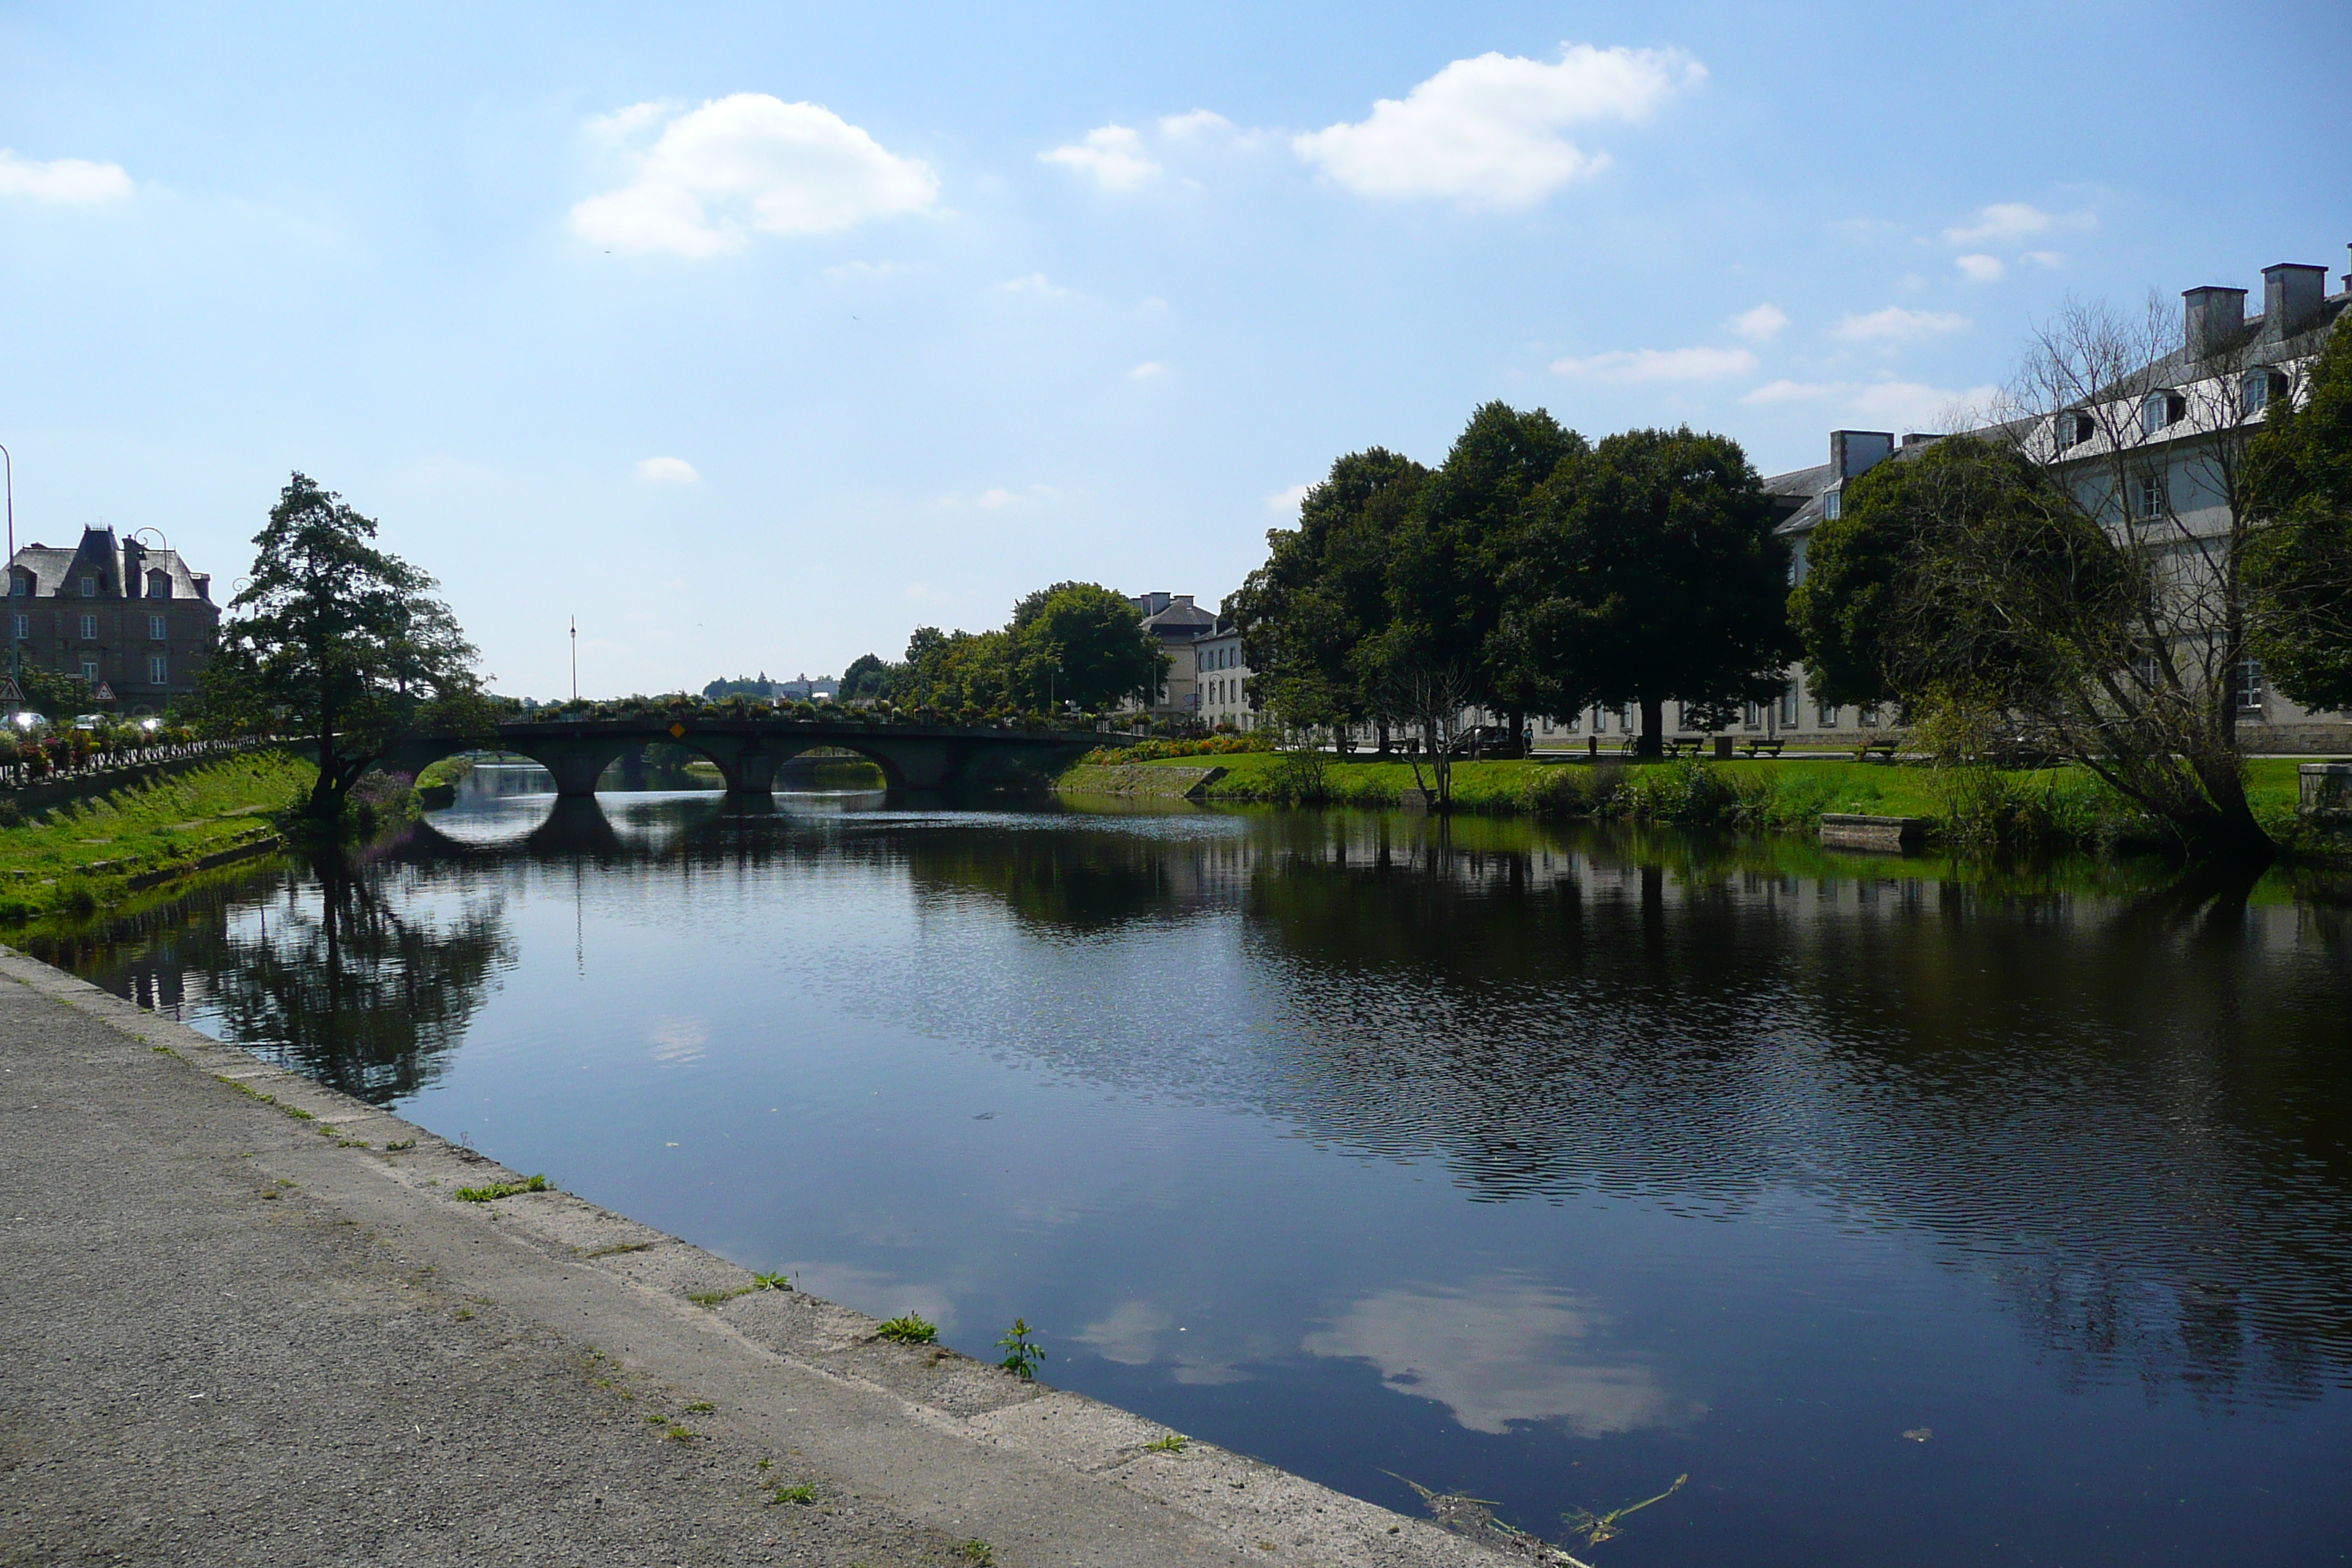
[(1869, 749), (1678, 744), (1762, 746)]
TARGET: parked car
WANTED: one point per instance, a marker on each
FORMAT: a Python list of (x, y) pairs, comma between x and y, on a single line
[(91, 721), (1489, 741), (29, 722)]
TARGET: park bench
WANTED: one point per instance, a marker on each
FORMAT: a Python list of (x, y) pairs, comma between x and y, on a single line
[(1869, 749), (1678, 744), (1760, 746)]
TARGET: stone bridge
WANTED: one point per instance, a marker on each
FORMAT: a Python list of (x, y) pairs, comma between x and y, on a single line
[(749, 751)]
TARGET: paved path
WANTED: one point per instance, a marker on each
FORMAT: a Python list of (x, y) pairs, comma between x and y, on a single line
[(241, 1323)]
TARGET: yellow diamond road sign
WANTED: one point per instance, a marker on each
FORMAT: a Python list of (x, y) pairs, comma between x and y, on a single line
[(677, 729)]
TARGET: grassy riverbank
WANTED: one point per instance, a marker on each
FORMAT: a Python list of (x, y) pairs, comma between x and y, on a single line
[(2051, 807), (77, 858)]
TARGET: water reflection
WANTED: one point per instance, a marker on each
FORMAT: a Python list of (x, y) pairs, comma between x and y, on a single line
[(1357, 1139)]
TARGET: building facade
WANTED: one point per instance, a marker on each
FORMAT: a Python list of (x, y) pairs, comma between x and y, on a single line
[(1178, 623), (114, 613), (1222, 680)]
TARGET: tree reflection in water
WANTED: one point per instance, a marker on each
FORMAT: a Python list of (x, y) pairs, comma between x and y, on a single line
[(2120, 1093)]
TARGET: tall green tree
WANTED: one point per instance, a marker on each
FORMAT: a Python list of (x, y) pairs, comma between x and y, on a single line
[(1082, 643), (1649, 573), (1311, 613), (337, 640), (1446, 579), (2299, 564)]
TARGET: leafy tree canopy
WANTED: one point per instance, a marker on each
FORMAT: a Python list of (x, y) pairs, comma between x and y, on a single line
[(1321, 598), (2299, 564), (1961, 574), (1446, 593), (1650, 572), (1074, 642), (336, 639), (870, 679)]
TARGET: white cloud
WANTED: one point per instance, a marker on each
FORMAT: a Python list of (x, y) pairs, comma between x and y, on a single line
[(624, 123), (995, 500), (2006, 223), (1760, 325), (1503, 1350), (1794, 391), (1911, 405), (668, 471), (1286, 502), (1896, 405), (1485, 131), (751, 162), (1111, 154), (1896, 325), (863, 271), (1978, 269), (2050, 259), (1199, 121), (68, 181), (1034, 283), (1148, 370), (1660, 365)]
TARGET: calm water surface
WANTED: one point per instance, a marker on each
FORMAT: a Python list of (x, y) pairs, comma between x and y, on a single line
[(1916, 1217)]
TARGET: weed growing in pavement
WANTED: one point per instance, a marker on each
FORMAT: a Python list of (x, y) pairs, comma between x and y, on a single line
[(776, 1281), (1021, 1356), (396, 1148), (700, 1408), (677, 1434), (804, 1494), (978, 1551), (912, 1329), (494, 1191), (464, 1314), (718, 1297), (1173, 1443)]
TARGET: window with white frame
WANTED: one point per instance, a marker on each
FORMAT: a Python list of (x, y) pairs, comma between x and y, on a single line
[(2250, 685), (1753, 718), (90, 670), (1788, 704), (1833, 505), (156, 626), (1826, 716), (89, 629), (23, 625), (89, 587), (159, 669), (2149, 497)]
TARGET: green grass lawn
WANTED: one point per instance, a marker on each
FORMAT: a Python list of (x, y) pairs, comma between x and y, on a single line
[(75, 856), (1798, 788)]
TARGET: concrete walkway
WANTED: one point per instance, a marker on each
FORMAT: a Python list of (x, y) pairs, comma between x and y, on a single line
[(244, 1319)]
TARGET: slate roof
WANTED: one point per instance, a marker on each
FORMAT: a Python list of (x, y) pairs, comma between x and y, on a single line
[(53, 566)]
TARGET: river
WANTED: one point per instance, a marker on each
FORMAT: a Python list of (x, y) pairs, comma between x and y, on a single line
[(1915, 1212)]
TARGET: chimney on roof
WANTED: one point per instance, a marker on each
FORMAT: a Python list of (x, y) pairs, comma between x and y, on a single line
[(2212, 318), (1853, 453), (2292, 293), (2348, 278)]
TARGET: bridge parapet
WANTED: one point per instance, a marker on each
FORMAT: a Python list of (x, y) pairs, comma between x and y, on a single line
[(749, 751)]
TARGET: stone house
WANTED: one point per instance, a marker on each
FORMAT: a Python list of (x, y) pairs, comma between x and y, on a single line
[(113, 612)]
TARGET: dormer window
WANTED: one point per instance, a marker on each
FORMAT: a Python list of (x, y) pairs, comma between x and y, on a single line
[(89, 587), (2075, 428), (1833, 505), (2263, 387), (2162, 411), (20, 585), (159, 584)]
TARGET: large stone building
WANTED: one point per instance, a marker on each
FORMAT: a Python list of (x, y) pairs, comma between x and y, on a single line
[(1178, 623), (114, 613), (2146, 456)]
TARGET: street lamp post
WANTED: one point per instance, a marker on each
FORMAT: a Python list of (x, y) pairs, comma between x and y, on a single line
[(8, 465)]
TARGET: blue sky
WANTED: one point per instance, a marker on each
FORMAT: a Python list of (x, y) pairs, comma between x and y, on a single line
[(757, 336)]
